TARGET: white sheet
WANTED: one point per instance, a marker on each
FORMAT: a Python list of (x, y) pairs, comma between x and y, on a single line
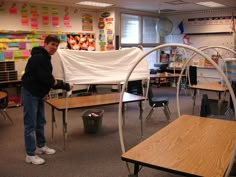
[(93, 67)]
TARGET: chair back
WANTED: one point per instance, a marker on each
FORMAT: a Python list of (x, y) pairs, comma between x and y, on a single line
[(150, 95), (193, 75), (135, 87), (205, 106), (233, 84)]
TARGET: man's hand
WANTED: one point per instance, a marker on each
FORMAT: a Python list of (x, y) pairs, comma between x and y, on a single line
[(62, 85)]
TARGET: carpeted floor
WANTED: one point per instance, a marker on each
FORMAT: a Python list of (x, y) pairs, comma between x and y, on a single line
[(87, 155)]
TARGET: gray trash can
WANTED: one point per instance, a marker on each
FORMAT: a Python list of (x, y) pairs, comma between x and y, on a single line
[(92, 119)]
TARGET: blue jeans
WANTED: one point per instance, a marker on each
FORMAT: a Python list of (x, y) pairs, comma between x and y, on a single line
[(34, 121)]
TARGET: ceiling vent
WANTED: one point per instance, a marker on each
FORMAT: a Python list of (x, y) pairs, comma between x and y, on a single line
[(176, 2), (167, 10)]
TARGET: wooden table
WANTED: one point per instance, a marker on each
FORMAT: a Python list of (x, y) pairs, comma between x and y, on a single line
[(165, 75), (211, 86), (12, 83), (189, 146), (87, 102), (3, 95)]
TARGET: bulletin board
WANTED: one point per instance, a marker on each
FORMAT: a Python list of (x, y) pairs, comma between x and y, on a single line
[(37, 17)]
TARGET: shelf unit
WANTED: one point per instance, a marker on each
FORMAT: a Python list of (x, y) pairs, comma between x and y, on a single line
[(7, 71)]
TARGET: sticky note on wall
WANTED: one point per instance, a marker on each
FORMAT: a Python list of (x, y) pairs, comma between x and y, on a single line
[(8, 54), (25, 53), (13, 44), (35, 44), (17, 54), (22, 45), (2, 56)]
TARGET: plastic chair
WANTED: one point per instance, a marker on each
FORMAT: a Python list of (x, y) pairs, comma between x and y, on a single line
[(135, 87), (156, 101), (4, 106), (225, 111)]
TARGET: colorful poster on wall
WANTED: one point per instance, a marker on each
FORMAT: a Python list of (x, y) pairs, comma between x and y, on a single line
[(223, 20), (34, 23), (101, 23), (12, 10), (110, 40), (55, 17), (66, 18), (2, 8), (34, 17), (24, 15), (87, 22), (109, 24), (82, 41), (45, 16)]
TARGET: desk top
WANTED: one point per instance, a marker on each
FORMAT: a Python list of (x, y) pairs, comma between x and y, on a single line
[(10, 82), (93, 100), (190, 145), (163, 75), (212, 86)]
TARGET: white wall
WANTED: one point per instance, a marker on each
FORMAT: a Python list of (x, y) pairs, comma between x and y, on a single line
[(202, 35), (12, 22)]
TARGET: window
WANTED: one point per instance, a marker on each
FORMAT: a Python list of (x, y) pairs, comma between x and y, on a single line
[(130, 29), (140, 31), (150, 30)]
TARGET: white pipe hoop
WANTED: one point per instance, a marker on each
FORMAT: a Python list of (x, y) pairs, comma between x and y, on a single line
[(177, 95)]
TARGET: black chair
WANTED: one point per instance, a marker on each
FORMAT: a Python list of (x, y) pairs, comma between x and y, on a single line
[(233, 84), (135, 87), (4, 105), (193, 75), (210, 108), (156, 101), (205, 106)]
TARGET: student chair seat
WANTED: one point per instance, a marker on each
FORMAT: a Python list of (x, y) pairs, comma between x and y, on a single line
[(158, 101)]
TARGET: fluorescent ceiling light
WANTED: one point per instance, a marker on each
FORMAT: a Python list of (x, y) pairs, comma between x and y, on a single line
[(210, 4), (92, 3)]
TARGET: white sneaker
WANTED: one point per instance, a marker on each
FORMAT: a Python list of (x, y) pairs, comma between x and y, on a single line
[(36, 160), (45, 150)]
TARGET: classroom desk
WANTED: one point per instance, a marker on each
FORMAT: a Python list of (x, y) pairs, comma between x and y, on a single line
[(211, 86), (3, 95), (189, 146), (165, 75), (87, 102), (12, 83), (5, 84)]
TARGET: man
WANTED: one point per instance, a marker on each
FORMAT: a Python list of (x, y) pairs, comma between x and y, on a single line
[(36, 84)]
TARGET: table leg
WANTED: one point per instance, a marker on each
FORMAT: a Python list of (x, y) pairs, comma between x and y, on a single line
[(141, 116), (53, 120), (123, 113), (219, 103), (64, 127), (136, 169), (194, 99)]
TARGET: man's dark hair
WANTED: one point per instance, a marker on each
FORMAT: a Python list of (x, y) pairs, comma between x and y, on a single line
[(52, 38)]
